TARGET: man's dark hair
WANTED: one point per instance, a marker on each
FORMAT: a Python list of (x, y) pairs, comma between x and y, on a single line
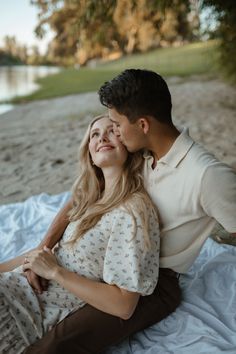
[(138, 93)]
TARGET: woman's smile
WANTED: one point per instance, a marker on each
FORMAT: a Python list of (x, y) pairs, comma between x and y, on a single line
[(105, 147)]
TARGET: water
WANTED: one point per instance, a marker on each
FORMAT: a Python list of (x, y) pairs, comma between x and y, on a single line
[(20, 80)]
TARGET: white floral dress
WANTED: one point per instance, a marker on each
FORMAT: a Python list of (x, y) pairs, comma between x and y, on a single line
[(113, 251)]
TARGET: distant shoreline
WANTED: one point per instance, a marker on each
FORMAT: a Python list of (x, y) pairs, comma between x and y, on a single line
[(20, 80)]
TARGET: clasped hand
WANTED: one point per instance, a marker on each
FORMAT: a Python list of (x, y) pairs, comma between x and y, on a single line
[(42, 262)]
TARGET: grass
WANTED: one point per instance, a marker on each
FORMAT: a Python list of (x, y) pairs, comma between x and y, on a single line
[(68, 82), (191, 59)]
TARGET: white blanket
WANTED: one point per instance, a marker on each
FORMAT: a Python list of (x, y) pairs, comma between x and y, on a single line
[(204, 323)]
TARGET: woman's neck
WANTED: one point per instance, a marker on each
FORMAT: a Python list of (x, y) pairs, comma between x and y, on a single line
[(111, 176)]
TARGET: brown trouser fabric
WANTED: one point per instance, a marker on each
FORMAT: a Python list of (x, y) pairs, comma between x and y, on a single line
[(89, 330)]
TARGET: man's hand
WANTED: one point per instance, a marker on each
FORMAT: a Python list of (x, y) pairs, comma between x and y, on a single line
[(36, 282)]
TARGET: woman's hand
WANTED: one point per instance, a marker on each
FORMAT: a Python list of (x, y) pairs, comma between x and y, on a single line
[(36, 282), (42, 262)]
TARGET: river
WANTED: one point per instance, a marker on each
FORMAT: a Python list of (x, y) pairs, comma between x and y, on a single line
[(20, 80)]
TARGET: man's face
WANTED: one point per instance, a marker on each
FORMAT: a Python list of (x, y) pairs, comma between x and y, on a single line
[(129, 134)]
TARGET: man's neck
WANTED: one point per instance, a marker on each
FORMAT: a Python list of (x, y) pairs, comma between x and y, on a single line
[(161, 140)]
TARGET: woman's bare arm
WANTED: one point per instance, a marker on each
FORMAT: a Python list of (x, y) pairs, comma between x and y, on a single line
[(107, 298)]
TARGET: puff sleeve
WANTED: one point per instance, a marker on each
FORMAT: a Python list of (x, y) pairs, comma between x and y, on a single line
[(128, 263)]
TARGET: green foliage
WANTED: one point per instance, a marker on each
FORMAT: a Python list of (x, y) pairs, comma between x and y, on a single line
[(8, 59), (186, 60), (90, 29), (225, 11), (12, 52)]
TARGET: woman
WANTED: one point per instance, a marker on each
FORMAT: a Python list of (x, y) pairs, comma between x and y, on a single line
[(108, 255)]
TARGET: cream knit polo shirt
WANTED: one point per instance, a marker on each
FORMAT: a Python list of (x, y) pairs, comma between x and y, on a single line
[(192, 191)]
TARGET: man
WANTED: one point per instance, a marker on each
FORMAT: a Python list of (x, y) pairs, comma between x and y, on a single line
[(191, 189)]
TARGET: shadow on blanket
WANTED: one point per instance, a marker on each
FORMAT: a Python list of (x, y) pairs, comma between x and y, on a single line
[(204, 323)]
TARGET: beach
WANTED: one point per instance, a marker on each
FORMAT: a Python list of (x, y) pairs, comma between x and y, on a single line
[(39, 140)]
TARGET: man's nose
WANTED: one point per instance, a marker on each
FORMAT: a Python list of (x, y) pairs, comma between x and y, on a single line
[(116, 131)]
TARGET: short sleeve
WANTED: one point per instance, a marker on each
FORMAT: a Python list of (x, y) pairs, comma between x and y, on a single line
[(128, 262), (219, 195)]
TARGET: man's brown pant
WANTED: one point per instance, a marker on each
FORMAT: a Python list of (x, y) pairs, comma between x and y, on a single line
[(89, 330)]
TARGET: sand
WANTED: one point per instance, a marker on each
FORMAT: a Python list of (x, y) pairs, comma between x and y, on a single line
[(39, 140)]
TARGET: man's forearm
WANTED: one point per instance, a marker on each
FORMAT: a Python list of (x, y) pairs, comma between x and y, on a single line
[(57, 227), (12, 263)]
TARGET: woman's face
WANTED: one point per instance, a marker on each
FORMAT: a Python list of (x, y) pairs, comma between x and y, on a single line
[(104, 146)]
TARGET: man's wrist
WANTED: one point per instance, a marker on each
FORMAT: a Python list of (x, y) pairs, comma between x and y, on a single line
[(43, 244)]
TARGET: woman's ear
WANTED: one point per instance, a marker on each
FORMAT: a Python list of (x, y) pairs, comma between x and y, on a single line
[(144, 125)]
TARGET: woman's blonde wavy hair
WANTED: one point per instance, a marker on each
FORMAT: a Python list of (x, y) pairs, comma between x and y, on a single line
[(87, 191)]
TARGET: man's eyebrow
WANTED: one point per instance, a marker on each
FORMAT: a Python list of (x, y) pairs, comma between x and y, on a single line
[(113, 121)]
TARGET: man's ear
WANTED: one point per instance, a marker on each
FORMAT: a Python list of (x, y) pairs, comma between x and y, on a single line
[(144, 124)]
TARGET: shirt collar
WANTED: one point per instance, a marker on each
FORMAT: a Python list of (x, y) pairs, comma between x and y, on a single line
[(177, 151)]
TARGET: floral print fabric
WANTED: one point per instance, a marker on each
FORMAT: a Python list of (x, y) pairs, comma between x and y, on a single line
[(113, 251)]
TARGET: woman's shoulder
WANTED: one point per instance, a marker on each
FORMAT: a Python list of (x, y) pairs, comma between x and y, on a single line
[(139, 204), (119, 211), (135, 207), (118, 215)]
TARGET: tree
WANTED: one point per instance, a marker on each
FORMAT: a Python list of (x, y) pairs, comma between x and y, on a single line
[(15, 52), (10, 45), (145, 24), (83, 29), (225, 12), (88, 28)]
